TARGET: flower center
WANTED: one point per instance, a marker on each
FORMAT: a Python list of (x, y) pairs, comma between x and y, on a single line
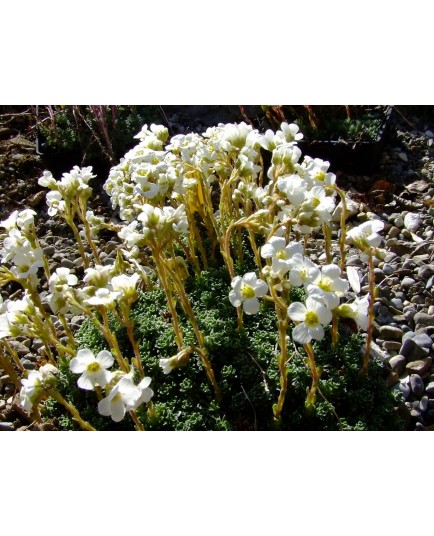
[(247, 292), (326, 284), (315, 202), (281, 254), (93, 367), (311, 318), (320, 176)]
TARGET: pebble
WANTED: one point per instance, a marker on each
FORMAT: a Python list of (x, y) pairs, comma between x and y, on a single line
[(407, 282), (398, 363), (430, 388), (391, 333), (424, 319), (7, 426), (416, 384), (423, 405), (420, 366), (411, 350)]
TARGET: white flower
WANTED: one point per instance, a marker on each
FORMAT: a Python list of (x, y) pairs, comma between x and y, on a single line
[(354, 279), (358, 311), (312, 317), (92, 369), (280, 252), (25, 218), (55, 203), (302, 270), (129, 235), (178, 360), (47, 180), (329, 285), (10, 222), (30, 390), (124, 397), (246, 291), (62, 278), (320, 202), (294, 188), (125, 285), (103, 296), (365, 235), (291, 132), (34, 385)]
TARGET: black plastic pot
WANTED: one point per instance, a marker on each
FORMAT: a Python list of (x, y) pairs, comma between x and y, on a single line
[(358, 157)]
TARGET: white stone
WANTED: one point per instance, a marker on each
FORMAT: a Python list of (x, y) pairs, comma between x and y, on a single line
[(412, 222), (403, 157), (352, 210)]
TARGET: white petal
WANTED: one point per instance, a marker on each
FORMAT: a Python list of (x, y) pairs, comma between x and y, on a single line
[(104, 407), (117, 410), (332, 271), (76, 365), (236, 282), (317, 332), (301, 334), (297, 311), (234, 298), (145, 382), (86, 381), (105, 359), (251, 307), (353, 278), (103, 377), (267, 251), (85, 355), (324, 315), (260, 288), (250, 279)]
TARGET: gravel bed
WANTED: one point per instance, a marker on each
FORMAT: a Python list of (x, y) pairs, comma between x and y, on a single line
[(399, 192)]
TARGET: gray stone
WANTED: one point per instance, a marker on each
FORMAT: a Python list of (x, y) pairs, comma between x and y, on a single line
[(423, 406), (398, 363), (393, 232), (396, 302), (404, 387), (430, 388), (407, 282), (67, 263), (411, 350), (416, 384), (423, 340), (424, 319), (392, 346), (420, 366), (7, 427), (390, 333)]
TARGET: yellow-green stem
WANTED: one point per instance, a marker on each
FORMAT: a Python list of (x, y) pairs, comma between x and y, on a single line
[(370, 330), (311, 397), (9, 369), (72, 409), (136, 420), (112, 340)]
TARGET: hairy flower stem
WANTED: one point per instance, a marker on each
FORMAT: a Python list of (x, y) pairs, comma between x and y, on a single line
[(139, 425), (9, 369), (80, 245), (203, 354), (112, 340), (282, 323), (311, 396), (130, 331), (328, 242), (162, 275), (371, 315), (343, 229), (72, 409)]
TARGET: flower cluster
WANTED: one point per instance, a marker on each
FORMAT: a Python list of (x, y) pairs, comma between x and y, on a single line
[(185, 204), (122, 394)]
